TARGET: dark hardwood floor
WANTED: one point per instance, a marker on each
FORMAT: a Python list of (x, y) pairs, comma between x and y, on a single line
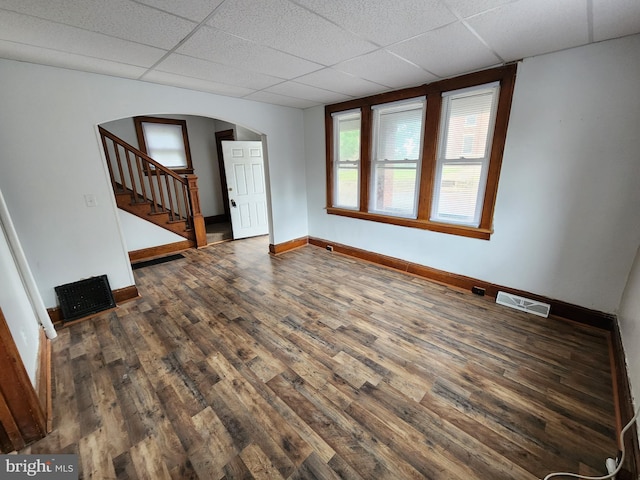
[(236, 364)]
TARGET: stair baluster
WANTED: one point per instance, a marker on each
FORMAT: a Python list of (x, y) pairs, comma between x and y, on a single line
[(119, 165), (142, 184), (135, 198), (109, 166), (141, 177)]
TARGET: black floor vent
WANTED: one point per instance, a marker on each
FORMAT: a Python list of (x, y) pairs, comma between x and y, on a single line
[(85, 297), (157, 261)]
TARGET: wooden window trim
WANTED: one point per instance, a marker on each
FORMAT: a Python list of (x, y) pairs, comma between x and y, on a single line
[(166, 121), (505, 75)]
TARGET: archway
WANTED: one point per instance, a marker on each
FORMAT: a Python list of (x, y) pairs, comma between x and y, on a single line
[(147, 240)]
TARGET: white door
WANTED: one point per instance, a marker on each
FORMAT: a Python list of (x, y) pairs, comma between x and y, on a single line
[(244, 168)]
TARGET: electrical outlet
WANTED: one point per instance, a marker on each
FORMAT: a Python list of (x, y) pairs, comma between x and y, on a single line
[(90, 200), (478, 291), (330, 248)]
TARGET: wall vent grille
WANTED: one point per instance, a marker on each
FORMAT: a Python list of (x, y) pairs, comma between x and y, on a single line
[(523, 304), (85, 297)]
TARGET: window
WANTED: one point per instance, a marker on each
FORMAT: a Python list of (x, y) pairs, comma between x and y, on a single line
[(426, 157), (397, 135), (347, 165), (165, 140), (463, 155)]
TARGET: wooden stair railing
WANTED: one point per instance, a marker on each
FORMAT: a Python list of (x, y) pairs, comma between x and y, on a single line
[(152, 191)]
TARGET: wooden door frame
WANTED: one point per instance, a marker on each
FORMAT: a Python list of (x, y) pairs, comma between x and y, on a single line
[(22, 418), (220, 136)]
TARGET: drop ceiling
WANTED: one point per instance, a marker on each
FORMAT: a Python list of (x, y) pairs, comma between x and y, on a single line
[(301, 53)]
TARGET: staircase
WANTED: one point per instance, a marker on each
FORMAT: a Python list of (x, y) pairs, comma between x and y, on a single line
[(149, 190)]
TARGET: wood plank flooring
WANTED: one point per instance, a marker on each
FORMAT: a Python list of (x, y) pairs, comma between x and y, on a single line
[(238, 365)]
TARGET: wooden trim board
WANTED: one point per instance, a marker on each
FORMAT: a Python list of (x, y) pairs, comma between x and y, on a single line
[(160, 251), (22, 419), (125, 294), (624, 405), (43, 382), (558, 307), (220, 137), (120, 295), (286, 246)]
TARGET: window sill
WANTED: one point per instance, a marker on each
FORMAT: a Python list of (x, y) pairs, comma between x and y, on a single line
[(471, 232)]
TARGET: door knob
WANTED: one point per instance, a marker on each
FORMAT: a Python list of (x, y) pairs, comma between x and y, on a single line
[(233, 203)]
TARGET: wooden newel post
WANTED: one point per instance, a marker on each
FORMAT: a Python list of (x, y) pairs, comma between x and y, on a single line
[(196, 214)]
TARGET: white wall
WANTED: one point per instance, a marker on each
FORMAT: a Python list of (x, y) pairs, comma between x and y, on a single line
[(629, 321), (240, 133), (50, 156), (123, 128), (139, 234), (202, 137), (246, 135), (17, 310), (566, 219)]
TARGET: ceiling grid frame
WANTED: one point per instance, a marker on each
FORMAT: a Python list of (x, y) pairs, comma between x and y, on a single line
[(301, 53)]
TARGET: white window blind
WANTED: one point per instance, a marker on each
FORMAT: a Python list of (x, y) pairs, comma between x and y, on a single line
[(397, 152), (346, 165), (165, 144), (468, 118)]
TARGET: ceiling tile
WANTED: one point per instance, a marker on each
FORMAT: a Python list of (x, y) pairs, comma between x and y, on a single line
[(276, 99), (307, 92), (527, 28), (336, 81), (42, 33), (196, 10), (401, 20), (216, 46), (615, 18), (251, 49), (118, 18), (216, 72), (290, 28), (56, 58), (196, 84), (446, 52), (467, 8), (386, 69)]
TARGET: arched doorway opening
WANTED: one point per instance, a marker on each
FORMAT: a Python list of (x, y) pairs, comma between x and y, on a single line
[(205, 138)]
